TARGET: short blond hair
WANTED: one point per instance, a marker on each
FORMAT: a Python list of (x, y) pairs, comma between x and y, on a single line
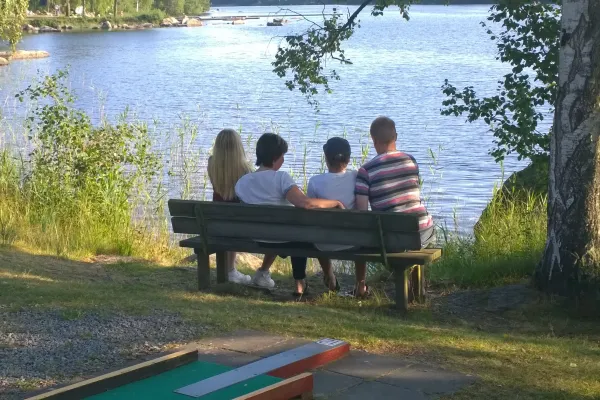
[(228, 163), (383, 130)]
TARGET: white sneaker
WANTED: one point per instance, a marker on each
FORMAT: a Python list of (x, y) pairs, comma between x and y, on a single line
[(263, 279), (236, 276)]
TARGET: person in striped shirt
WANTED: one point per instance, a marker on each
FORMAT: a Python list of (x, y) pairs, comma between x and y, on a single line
[(390, 182)]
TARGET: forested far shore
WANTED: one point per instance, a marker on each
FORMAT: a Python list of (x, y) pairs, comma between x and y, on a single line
[(99, 8)]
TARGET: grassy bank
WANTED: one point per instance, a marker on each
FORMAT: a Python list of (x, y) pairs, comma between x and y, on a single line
[(506, 246)]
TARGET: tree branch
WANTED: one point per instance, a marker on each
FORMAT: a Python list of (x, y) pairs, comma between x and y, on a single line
[(300, 15), (354, 15)]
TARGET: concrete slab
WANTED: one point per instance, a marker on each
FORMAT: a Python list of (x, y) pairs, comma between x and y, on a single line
[(379, 391), (225, 357), (329, 384), (360, 375), (365, 365), (244, 341), (427, 379), (279, 347)]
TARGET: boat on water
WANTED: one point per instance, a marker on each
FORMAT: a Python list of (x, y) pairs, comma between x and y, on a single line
[(276, 22)]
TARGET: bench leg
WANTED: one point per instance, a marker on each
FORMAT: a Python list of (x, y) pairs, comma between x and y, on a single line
[(222, 258), (203, 269), (418, 284), (401, 277)]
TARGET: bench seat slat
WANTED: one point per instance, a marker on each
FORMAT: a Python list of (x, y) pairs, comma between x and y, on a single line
[(417, 257), (394, 241), (303, 233)]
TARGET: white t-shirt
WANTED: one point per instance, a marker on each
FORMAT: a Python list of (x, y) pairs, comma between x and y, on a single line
[(265, 187), (334, 186)]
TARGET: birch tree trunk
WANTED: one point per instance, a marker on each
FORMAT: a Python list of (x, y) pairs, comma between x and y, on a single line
[(571, 261)]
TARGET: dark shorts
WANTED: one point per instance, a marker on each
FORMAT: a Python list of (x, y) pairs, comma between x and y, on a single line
[(298, 263)]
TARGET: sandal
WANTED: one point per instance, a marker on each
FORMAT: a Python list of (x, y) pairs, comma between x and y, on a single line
[(365, 295), (298, 295), (337, 284)]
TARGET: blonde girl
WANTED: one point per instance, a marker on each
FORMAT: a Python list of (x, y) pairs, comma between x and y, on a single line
[(226, 166)]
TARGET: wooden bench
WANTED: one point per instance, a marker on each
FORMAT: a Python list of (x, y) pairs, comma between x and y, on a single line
[(393, 239)]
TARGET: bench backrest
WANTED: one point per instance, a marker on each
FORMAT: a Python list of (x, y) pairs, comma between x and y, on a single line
[(400, 232)]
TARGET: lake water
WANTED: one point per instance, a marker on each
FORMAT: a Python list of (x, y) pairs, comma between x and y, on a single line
[(220, 76)]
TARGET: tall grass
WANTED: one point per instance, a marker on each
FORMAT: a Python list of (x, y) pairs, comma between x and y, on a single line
[(506, 245), (76, 191), (10, 199)]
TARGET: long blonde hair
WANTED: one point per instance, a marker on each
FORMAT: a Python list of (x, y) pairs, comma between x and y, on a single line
[(228, 163)]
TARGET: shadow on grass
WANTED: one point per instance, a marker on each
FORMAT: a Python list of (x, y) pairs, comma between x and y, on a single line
[(528, 361)]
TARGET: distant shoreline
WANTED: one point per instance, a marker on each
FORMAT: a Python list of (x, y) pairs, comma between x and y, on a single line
[(253, 3)]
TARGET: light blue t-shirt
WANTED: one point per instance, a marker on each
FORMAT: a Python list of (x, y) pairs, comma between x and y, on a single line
[(334, 186)]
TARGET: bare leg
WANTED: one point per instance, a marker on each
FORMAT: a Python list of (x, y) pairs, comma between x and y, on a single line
[(230, 259), (300, 285), (361, 277), (268, 260), (299, 272), (328, 272)]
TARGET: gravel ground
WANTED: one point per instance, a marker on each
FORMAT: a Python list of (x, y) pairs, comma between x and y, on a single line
[(45, 348)]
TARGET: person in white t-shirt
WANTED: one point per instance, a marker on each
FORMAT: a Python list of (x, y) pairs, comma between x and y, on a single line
[(336, 184), (269, 185)]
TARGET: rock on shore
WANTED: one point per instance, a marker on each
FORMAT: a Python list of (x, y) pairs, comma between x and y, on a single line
[(49, 29), (170, 21), (3, 61), (193, 22), (30, 28), (23, 54)]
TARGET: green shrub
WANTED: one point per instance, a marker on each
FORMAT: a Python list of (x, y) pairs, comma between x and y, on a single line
[(152, 16), (76, 194), (39, 22)]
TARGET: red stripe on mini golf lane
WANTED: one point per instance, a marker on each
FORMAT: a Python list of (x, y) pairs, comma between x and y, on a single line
[(316, 361)]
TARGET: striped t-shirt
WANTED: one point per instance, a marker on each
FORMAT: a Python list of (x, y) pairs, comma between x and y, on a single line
[(391, 181)]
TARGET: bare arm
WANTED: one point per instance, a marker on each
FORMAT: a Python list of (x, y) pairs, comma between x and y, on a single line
[(362, 202), (299, 199)]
